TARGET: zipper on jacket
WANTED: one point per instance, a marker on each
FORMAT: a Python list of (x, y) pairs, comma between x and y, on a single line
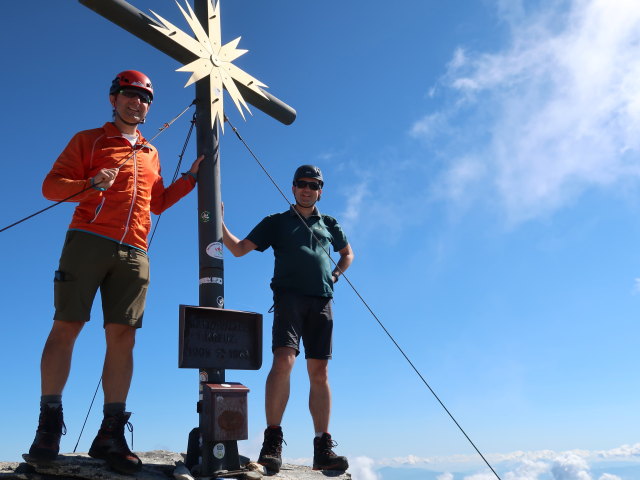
[(135, 192)]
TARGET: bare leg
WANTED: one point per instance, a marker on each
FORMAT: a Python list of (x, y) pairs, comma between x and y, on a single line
[(319, 393), (278, 384), (118, 362), (56, 356)]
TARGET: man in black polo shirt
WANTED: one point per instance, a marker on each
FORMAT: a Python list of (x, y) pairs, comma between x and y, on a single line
[(302, 283)]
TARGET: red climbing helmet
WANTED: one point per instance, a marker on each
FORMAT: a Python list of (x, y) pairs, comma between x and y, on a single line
[(131, 79)]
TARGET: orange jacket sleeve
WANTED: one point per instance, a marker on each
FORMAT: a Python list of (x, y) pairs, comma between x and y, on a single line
[(69, 175), (163, 198)]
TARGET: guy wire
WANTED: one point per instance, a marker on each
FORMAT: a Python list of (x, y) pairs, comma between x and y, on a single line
[(415, 369), (175, 175), (88, 412)]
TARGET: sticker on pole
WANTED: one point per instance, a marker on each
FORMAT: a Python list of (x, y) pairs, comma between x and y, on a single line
[(218, 451), (214, 250)]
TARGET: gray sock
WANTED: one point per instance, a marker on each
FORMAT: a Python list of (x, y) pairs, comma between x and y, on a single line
[(113, 409), (53, 401)]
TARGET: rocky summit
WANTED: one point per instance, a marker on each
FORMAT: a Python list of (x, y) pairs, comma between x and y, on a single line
[(158, 465)]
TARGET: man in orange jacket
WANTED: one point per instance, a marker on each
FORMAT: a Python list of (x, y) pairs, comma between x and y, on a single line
[(115, 173)]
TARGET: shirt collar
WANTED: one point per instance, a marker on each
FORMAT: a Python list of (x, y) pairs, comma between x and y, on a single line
[(315, 213), (112, 131)]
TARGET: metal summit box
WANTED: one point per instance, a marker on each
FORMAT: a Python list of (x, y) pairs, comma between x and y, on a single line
[(224, 414)]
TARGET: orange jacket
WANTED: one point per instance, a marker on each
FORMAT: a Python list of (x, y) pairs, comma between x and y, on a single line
[(121, 212)]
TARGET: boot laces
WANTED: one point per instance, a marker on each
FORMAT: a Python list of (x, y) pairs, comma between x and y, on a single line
[(326, 446), (272, 444), (129, 426), (50, 421), (116, 426)]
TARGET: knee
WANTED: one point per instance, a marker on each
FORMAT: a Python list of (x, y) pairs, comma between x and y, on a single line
[(64, 332), (283, 361), (120, 337), (319, 374)]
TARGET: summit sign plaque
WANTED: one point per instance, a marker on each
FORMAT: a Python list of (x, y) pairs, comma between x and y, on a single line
[(219, 338)]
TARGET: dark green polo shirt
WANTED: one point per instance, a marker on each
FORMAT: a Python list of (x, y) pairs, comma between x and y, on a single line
[(301, 264)]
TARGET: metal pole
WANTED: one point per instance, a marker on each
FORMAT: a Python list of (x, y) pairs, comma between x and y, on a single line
[(211, 274)]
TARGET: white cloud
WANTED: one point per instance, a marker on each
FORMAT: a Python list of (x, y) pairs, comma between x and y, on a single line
[(608, 476), (429, 126), (463, 174), (356, 195), (510, 10), (570, 467), (481, 476), (388, 191), (622, 452), (361, 468), (556, 112), (459, 59), (520, 465), (445, 476), (528, 460), (527, 470)]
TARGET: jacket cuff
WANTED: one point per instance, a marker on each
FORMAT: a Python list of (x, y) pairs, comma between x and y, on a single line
[(100, 189), (192, 175)]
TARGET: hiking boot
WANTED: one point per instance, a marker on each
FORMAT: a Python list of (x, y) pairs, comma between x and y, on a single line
[(323, 456), (51, 427), (270, 454), (111, 446)]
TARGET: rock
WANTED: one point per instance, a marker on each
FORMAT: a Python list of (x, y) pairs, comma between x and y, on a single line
[(158, 465), (181, 472), (302, 472), (256, 467)]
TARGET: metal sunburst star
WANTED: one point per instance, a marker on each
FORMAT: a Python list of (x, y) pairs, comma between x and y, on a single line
[(214, 59)]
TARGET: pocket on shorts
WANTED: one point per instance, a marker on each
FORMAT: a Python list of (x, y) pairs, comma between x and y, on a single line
[(60, 291)]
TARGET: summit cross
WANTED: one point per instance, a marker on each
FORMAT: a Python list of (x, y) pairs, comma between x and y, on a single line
[(210, 63)]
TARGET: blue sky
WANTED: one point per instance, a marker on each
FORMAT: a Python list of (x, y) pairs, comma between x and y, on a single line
[(483, 159)]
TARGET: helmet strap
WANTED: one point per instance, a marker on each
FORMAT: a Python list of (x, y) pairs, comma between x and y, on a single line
[(131, 124)]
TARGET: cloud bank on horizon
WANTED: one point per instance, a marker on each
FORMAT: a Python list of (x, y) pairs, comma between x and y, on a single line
[(623, 453), (518, 465), (553, 114)]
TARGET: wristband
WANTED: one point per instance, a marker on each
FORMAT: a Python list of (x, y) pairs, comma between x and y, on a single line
[(93, 185), (337, 275), (195, 177)]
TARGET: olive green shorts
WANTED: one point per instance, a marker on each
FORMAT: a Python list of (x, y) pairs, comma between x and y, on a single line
[(89, 262)]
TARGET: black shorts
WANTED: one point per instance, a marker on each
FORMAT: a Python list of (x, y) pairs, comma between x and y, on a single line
[(308, 317)]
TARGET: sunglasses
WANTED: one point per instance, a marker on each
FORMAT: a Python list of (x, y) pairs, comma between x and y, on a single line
[(144, 97), (303, 183)]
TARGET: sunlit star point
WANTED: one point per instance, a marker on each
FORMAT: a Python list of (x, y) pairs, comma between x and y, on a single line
[(213, 59)]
